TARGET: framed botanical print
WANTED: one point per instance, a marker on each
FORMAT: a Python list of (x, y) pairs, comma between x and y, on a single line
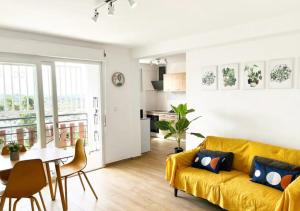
[(208, 80), (253, 75), (281, 73), (229, 76)]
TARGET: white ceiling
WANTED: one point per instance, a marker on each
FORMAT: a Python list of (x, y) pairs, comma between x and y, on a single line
[(150, 22)]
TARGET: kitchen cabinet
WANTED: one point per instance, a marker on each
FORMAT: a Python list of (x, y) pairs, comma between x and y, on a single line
[(175, 82)]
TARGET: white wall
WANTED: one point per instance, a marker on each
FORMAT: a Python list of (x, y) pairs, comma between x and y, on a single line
[(122, 133), (122, 107), (268, 115)]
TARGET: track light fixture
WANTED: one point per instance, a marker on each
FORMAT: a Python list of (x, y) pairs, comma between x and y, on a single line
[(132, 3), (110, 7), (95, 16)]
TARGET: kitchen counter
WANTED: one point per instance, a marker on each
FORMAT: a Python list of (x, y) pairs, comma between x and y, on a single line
[(160, 112)]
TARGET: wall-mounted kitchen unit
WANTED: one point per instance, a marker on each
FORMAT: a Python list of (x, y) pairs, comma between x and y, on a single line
[(175, 82)]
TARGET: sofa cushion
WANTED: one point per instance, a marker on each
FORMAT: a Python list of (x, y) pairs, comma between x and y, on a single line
[(209, 161), (202, 183), (273, 177), (273, 163), (227, 163), (240, 194)]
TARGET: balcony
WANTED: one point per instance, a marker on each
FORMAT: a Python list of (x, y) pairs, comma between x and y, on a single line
[(23, 129)]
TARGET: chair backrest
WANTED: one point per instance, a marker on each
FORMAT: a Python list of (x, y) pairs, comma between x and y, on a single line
[(5, 150), (79, 159), (26, 178), (245, 150)]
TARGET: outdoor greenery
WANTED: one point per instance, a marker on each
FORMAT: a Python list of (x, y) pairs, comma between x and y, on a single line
[(1, 141), (179, 127), (208, 78), (280, 73), (254, 75), (229, 77), (10, 103)]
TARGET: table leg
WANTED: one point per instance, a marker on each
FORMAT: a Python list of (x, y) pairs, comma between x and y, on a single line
[(60, 187), (50, 181)]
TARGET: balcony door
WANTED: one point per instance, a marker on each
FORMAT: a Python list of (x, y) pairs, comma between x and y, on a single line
[(47, 102)]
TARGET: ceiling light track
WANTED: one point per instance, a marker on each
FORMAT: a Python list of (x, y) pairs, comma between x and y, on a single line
[(110, 7)]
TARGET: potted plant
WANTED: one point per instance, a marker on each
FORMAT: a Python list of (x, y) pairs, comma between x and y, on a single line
[(179, 127), (14, 151)]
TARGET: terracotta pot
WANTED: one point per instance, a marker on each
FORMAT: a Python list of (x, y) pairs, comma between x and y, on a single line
[(14, 156)]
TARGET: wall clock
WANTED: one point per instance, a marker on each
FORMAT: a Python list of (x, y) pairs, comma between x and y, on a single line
[(118, 79)]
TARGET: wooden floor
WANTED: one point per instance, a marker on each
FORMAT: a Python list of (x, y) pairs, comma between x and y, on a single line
[(135, 184)]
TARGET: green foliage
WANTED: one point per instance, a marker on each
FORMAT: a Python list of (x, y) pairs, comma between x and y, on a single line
[(27, 100), (14, 147), (8, 102), (179, 127)]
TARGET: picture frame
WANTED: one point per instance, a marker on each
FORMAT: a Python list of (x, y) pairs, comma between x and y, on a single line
[(209, 77), (229, 76), (281, 73), (253, 75)]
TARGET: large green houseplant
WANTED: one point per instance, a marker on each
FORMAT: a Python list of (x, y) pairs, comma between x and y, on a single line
[(178, 128)]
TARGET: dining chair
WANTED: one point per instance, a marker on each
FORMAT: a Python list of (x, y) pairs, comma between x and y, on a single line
[(5, 174), (26, 179), (76, 166)]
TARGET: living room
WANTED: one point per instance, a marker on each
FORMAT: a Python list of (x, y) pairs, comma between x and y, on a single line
[(78, 80)]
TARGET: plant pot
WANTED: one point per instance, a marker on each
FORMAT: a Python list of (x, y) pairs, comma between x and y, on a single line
[(178, 149), (14, 156)]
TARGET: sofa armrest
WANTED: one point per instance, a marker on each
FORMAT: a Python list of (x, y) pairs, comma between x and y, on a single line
[(290, 200), (178, 161)]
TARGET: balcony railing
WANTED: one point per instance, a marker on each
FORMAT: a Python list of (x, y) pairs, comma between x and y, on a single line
[(71, 127)]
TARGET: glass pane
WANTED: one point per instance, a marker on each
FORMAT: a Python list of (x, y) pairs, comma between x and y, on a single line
[(17, 114), (78, 88)]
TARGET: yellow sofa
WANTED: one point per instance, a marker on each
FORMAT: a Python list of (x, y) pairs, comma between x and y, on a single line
[(233, 190)]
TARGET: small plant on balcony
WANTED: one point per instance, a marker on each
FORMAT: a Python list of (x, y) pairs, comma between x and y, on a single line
[(13, 147), (14, 151), (179, 127)]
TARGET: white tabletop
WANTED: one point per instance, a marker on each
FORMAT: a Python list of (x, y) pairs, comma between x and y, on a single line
[(45, 154)]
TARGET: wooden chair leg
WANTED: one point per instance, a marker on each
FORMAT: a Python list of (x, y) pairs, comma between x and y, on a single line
[(81, 181), (89, 184), (37, 203), (42, 200), (32, 204), (2, 202), (55, 189), (9, 206), (15, 204), (66, 192)]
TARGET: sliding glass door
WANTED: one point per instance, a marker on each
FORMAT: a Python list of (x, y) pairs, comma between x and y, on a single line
[(79, 107), (51, 103)]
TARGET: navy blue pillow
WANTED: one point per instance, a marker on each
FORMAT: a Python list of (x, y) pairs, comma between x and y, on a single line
[(211, 163), (273, 177)]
